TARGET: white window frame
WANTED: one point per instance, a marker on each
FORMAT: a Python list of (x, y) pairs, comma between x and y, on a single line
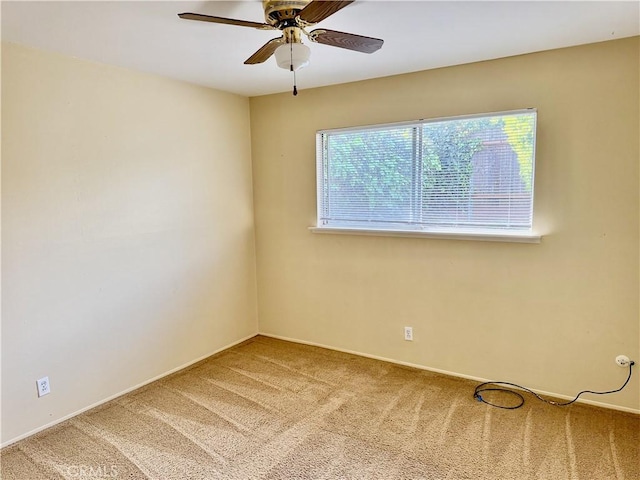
[(455, 233)]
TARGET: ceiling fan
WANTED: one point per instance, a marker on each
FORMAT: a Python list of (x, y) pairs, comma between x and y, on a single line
[(292, 18)]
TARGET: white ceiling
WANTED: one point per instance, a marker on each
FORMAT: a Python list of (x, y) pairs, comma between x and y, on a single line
[(419, 35)]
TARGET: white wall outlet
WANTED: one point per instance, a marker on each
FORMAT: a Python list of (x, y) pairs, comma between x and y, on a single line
[(44, 388), (622, 360), (408, 333)]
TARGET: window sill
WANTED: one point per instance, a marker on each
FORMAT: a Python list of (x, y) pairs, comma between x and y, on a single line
[(478, 236)]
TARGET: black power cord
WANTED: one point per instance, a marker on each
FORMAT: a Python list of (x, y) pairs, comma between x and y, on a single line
[(488, 387)]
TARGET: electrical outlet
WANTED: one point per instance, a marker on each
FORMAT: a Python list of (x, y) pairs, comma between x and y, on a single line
[(622, 360), (44, 388), (408, 333)]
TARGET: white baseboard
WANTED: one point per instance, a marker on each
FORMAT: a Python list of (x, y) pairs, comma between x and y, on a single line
[(446, 372), (108, 399)]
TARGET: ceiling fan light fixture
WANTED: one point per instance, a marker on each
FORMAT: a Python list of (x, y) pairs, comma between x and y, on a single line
[(292, 56)]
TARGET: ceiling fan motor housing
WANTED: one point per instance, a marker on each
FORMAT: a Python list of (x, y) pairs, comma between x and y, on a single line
[(277, 12)]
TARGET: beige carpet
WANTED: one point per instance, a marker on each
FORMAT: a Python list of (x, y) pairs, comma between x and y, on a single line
[(269, 409)]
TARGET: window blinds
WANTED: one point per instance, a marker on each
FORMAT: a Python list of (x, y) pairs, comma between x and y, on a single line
[(454, 175)]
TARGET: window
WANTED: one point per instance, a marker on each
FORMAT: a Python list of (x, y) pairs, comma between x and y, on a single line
[(468, 175)]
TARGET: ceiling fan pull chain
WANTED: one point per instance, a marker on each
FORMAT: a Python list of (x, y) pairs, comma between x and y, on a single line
[(295, 89)]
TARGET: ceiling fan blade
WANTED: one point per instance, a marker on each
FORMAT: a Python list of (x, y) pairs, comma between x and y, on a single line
[(318, 10), (265, 51), (228, 21), (349, 41)]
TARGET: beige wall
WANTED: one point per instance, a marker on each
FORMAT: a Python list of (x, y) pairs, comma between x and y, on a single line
[(127, 231), (551, 316)]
